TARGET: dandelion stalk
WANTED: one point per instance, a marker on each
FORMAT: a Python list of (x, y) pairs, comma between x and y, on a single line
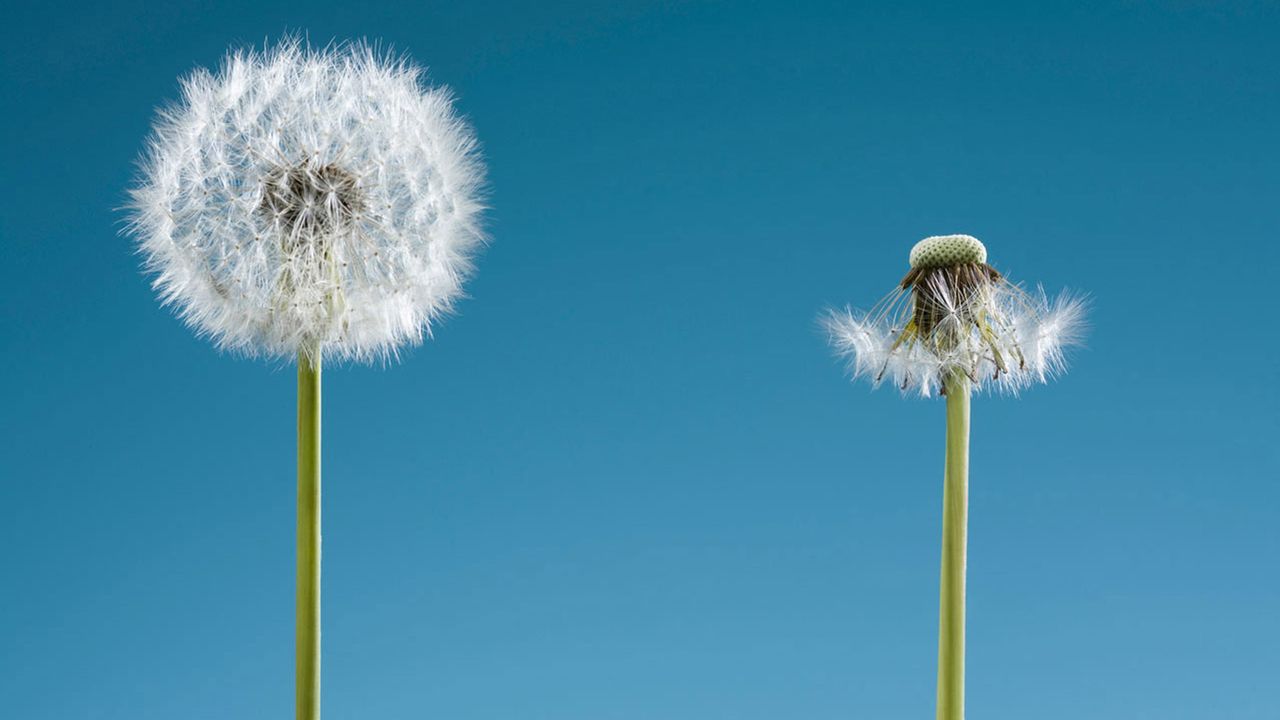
[(307, 648), (955, 522), (954, 325), (310, 204)]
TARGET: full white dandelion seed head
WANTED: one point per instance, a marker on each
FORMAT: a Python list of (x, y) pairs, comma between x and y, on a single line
[(324, 202), (954, 313)]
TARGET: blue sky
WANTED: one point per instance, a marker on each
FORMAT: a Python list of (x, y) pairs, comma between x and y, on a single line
[(628, 480)]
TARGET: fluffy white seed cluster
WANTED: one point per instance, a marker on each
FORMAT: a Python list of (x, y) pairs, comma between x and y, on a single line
[(324, 202), (959, 318)]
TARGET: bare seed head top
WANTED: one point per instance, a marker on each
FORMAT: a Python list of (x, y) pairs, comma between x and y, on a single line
[(948, 250)]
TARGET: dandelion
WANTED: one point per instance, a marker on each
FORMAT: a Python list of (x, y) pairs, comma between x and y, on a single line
[(954, 324), (309, 204)]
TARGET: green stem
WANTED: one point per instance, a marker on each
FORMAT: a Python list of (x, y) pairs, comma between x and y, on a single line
[(308, 600), (955, 521)]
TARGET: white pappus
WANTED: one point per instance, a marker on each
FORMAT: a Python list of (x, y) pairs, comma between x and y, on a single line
[(954, 313), (324, 202)]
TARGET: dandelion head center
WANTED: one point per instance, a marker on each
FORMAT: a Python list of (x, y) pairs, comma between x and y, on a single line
[(309, 201), (949, 301)]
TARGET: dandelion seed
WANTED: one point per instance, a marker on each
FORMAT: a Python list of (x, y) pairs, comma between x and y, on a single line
[(955, 324), (311, 204)]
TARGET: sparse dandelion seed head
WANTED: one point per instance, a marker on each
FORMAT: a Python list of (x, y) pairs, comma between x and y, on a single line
[(305, 200), (954, 313)]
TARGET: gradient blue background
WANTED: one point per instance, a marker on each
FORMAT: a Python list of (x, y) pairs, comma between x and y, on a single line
[(628, 480)]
